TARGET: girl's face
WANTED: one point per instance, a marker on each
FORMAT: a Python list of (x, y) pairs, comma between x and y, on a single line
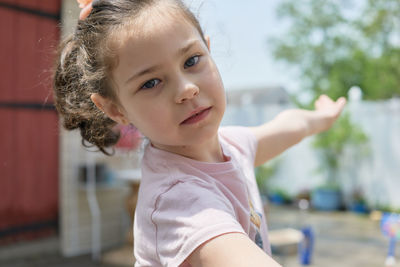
[(168, 86)]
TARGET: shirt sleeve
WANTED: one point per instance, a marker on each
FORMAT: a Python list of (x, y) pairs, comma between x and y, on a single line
[(188, 214), (243, 139)]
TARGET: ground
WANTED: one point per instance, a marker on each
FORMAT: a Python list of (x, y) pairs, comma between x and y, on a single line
[(342, 239)]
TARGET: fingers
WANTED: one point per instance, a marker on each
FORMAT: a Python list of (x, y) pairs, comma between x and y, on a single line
[(317, 105), (325, 101), (341, 101)]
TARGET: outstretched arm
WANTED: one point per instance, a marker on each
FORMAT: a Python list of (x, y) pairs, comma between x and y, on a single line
[(232, 249), (292, 126)]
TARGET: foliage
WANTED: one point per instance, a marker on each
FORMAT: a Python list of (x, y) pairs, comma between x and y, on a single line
[(337, 46), (386, 208), (378, 22), (279, 196), (331, 144), (379, 77), (330, 185), (358, 197), (264, 174)]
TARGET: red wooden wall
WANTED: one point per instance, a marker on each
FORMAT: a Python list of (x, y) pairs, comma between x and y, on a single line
[(29, 35)]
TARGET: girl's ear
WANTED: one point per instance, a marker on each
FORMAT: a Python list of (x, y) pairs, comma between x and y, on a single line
[(109, 108), (207, 38)]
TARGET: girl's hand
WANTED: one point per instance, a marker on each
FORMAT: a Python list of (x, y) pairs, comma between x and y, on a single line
[(327, 112)]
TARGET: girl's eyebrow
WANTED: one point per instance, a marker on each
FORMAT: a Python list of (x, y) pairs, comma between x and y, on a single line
[(187, 47), (142, 72), (181, 51)]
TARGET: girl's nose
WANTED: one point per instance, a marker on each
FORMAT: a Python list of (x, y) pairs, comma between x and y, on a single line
[(187, 92)]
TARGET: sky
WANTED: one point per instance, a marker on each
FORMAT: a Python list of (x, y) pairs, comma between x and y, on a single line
[(239, 32)]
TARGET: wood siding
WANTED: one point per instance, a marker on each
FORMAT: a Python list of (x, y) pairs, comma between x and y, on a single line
[(29, 125)]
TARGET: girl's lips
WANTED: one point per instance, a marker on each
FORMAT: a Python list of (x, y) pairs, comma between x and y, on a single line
[(197, 116)]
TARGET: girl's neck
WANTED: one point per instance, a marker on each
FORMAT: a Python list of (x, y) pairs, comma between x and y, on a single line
[(209, 151)]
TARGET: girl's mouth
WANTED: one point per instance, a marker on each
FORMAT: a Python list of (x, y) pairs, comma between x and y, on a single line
[(196, 116)]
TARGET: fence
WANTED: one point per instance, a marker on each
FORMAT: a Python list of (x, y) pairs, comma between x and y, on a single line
[(377, 174)]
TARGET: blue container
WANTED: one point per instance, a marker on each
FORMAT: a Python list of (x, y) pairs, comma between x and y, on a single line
[(306, 246), (276, 199), (360, 208), (326, 199)]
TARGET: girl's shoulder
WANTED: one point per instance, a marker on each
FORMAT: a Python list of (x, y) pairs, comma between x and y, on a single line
[(241, 138)]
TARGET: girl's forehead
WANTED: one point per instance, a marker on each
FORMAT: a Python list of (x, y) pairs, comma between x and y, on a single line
[(151, 21)]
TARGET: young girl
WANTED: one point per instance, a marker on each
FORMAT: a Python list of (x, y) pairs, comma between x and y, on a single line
[(147, 63)]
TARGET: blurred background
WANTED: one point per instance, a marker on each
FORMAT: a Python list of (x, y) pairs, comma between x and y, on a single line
[(62, 205)]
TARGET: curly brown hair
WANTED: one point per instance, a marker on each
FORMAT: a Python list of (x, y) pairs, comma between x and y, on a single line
[(84, 64)]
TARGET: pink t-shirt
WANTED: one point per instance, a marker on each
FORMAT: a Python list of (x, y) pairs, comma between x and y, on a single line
[(184, 203)]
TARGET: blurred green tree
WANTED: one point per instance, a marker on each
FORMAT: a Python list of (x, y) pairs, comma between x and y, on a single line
[(332, 143), (340, 44)]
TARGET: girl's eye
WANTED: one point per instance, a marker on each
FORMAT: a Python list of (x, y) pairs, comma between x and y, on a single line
[(191, 61), (150, 84)]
